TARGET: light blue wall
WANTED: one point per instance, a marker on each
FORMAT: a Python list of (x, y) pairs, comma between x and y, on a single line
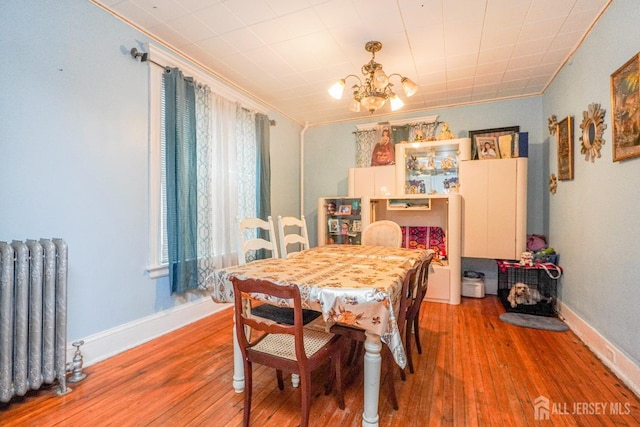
[(330, 151), (74, 155), (595, 218)]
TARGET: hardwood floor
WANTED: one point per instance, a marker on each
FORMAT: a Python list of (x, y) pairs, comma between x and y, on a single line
[(474, 370)]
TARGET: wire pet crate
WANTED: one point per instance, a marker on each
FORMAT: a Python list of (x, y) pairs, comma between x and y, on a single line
[(529, 290)]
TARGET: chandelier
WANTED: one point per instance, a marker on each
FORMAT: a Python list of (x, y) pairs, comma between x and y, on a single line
[(377, 88)]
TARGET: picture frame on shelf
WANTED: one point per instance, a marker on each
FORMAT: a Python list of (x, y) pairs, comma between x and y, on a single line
[(495, 132), (564, 134), (334, 226), (625, 110), (345, 227), (344, 210), (356, 226), (487, 147)]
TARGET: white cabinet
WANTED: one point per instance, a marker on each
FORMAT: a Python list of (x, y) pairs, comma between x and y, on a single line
[(494, 218), (372, 181)]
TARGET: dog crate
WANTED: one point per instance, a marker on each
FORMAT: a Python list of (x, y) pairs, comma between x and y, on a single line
[(529, 289)]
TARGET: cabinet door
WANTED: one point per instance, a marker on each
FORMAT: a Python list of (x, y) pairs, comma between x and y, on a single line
[(372, 181), (361, 182), (474, 176), (501, 209), (385, 180), (494, 210)]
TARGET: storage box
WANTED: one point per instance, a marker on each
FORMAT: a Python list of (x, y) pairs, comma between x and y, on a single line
[(473, 288), (528, 289)]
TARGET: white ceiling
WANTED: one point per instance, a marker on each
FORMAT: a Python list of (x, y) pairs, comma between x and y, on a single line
[(287, 53)]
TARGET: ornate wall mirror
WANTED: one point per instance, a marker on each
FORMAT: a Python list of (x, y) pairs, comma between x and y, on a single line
[(592, 130)]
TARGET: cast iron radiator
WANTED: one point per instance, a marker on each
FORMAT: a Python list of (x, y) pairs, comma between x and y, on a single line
[(33, 316)]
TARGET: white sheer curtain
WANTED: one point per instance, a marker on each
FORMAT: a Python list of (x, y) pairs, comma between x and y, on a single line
[(233, 176)]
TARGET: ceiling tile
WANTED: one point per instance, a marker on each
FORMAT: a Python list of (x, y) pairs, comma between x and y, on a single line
[(286, 52)]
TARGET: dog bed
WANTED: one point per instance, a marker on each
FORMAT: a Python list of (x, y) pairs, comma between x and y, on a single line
[(535, 322)]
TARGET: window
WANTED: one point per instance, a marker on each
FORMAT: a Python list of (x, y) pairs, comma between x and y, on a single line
[(237, 176)]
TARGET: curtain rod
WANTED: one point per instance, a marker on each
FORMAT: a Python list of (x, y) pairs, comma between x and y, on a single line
[(144, 57)]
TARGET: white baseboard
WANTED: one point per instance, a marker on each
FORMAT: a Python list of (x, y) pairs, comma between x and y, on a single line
[(623, 367), (108, 343)]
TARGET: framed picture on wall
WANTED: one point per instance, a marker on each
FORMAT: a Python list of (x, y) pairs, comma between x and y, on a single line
[(625, 107), (564, 133), (495, 132)]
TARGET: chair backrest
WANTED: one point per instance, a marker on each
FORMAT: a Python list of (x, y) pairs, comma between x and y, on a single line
[(405, 298), (382, 233), (249, 245), (287, 237), (422, 278), (274, 292)]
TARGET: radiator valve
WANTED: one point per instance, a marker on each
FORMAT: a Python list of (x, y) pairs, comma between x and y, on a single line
[(76, 366)]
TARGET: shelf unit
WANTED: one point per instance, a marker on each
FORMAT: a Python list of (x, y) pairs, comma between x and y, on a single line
[(341, 220), (430, 167)]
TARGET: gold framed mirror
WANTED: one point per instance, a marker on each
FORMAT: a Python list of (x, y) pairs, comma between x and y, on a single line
[(592, 130)]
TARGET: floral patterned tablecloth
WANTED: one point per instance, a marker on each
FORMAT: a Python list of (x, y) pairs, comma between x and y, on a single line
[(350, 284)]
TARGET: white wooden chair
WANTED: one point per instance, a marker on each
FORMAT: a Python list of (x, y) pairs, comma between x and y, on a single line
[(301, 239), (382, 233), (249, 246)]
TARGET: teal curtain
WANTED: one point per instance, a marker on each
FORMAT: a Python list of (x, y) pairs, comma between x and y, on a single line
[(263, 172), (181, 180)]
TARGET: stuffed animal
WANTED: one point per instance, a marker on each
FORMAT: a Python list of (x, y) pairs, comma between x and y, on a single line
[(526, 259), (536, 242)]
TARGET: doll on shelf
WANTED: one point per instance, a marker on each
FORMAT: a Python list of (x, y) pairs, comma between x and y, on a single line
[(383, 152)]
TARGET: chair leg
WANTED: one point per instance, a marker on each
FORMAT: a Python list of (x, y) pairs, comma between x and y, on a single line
[(357, 354), (392, 389), (407, 340), (280, 379), (352, 353), (338, 371), (416, 331), (305, 397), (248, 385)]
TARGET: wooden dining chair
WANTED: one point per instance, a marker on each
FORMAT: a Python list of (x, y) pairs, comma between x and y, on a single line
[(288, 237), (419, 290), (382, 233), (250, 239), (358, 335), (290, 348)]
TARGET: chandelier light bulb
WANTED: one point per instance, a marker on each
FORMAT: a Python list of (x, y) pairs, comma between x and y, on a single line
[(409, 86), (396, 102), (355, 106), (380, 79), (337, 89)]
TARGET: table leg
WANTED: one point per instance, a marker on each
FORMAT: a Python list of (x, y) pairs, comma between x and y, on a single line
[(238, 365), (372, 364)]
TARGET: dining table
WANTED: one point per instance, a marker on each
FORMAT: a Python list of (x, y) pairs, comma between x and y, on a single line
[(354, 285)]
